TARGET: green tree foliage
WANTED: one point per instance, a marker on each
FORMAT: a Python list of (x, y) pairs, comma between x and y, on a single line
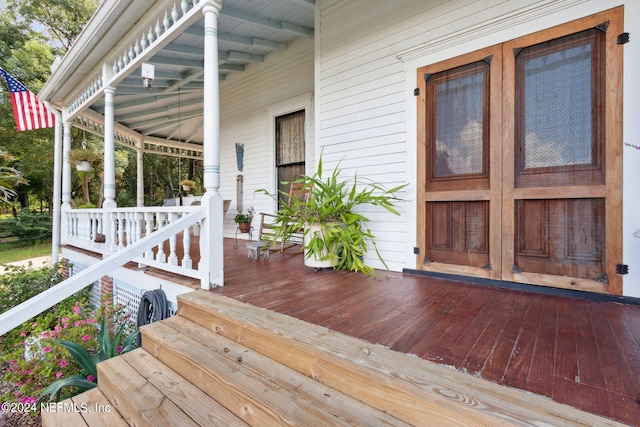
[(61, 20)]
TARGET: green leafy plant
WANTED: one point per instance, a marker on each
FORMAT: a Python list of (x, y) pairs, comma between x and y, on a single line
[(110, 345), (188, 185), (78, 155), (245, 218), (241, 218), (335, 205)]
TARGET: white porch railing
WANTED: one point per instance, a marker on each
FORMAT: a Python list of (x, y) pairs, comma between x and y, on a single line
[(36, 305), (88, 229)]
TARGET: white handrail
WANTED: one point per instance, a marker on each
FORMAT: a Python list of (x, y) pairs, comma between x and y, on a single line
[(36, 305)]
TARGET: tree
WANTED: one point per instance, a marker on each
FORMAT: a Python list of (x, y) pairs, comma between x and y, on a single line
[(9, 179), (31, 33), (61, 20)]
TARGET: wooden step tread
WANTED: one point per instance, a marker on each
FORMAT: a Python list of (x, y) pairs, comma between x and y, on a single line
[(148, 393), (90, 408), (257, 389), (404, 386)]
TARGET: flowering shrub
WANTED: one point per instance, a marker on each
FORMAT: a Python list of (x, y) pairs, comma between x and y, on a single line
[(42, 356), (40, 359)]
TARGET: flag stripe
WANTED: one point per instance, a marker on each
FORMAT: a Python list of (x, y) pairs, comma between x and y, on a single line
[(28, 111)]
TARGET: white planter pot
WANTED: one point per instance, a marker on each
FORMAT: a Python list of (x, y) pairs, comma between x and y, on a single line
[(312, 260), (83, 166)]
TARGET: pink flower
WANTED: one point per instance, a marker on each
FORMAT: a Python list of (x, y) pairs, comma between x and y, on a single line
[(76, 309), (29, 400), (58, 328), (86, 337), (23, 334), (52, 334), (63, 363), (47, 349), (58, 374), (91, 378), (118, 349), (45, 334), (65, 320)]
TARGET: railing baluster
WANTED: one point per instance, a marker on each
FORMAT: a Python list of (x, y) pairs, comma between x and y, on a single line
[(186, 244), (148, 218), (114, 231), (121, 228), (160, 256), (173, 257)]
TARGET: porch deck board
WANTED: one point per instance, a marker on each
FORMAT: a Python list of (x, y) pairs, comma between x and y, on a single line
[(576, 351)]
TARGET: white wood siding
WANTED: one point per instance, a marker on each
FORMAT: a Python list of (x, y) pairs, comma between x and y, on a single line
[(367, 55), (246, 102)]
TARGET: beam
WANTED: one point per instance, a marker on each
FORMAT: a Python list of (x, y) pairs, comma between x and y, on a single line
[(266, 22)]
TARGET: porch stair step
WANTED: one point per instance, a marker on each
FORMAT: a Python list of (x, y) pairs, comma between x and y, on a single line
[(224, 362)]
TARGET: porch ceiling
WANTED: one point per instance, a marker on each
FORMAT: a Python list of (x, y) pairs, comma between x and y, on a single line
[(248, 31)]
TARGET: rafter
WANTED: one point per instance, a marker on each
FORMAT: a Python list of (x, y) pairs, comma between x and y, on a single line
[(266, 22)]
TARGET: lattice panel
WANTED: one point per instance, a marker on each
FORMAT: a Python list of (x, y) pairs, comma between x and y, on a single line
[(96, 290)]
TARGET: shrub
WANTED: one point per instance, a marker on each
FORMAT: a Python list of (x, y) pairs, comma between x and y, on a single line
[(60, 349), (20, 284), (27, 227)]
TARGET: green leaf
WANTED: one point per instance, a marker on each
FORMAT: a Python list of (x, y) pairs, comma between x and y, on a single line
[(54, 390), (81, 356)]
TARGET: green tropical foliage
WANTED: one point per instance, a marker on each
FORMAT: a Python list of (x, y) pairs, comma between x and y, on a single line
[(336, 205)]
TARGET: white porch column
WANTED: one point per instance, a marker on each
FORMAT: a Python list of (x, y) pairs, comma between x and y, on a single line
[(66, 166), (109, 178), (211, 239), (57, 185), (139, 175)]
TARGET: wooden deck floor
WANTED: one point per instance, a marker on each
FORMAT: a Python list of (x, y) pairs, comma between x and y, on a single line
[(576, 351)]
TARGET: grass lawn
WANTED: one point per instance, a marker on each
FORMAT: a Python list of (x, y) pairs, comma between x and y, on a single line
[(10, 252)]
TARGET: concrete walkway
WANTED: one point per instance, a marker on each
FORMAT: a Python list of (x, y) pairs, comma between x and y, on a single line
[(39, 262)]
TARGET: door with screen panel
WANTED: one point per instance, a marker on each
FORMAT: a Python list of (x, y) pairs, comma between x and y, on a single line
[(519, 159), (459, 186), (562, 202)]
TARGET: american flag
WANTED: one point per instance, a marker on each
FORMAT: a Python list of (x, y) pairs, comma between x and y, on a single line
[(28, 111)]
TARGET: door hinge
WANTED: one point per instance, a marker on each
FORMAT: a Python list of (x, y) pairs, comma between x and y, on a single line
[(622, 269), (416, 250), (623, 38), (416, 91)]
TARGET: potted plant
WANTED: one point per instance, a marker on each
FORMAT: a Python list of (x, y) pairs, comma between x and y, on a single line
[(244, 220), (83, 158), (187, 184), (335, 229)]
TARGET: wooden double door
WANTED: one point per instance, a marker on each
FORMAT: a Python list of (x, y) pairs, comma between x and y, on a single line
[(519, 159)]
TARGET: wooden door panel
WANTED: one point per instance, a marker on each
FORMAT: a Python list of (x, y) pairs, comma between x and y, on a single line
[(562, 237), (458, 233)]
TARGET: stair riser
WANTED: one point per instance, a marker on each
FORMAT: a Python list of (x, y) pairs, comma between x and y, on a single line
[(251, 397), (332, 365)]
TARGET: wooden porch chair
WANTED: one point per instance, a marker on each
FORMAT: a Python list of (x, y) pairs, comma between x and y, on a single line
[(268, 241)]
